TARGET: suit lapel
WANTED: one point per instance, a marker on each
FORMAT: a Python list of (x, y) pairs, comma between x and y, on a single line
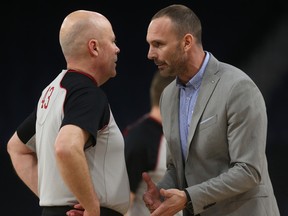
[(209, 82), (175, 136), (175, 123)]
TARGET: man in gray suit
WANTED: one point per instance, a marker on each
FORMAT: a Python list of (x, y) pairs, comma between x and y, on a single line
[(215, 123)]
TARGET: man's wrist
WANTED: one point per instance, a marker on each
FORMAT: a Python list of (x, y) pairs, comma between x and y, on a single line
[(189, 205)]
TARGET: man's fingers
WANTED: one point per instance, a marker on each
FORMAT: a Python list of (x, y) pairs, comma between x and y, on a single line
[(78, 206), (74, 212), (147, 179), (163, 192)]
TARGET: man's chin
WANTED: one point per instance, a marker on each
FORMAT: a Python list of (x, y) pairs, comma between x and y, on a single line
[(113, 74), (163, 71)]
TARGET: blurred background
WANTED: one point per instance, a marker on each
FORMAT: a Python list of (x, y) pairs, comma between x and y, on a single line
[(251, 35)]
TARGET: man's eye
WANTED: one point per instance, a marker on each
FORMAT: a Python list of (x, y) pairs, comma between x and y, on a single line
[(156, 44)]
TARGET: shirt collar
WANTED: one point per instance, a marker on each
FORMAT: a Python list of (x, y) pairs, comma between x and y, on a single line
[(195, 81)]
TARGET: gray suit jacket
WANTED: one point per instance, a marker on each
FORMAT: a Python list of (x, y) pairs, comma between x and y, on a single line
[(225, 171)]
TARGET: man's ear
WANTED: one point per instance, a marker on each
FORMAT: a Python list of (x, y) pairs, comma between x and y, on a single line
[(93, 46), (188, 40)]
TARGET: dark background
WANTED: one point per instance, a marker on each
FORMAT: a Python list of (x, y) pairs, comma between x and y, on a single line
[(251, 35)]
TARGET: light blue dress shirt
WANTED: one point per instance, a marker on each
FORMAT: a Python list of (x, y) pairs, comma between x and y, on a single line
[(188, 98)]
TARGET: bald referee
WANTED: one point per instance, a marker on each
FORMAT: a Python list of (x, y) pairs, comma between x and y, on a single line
[(70, 150)]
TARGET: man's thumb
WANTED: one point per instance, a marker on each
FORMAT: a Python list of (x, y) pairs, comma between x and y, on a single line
[(147, 179)]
